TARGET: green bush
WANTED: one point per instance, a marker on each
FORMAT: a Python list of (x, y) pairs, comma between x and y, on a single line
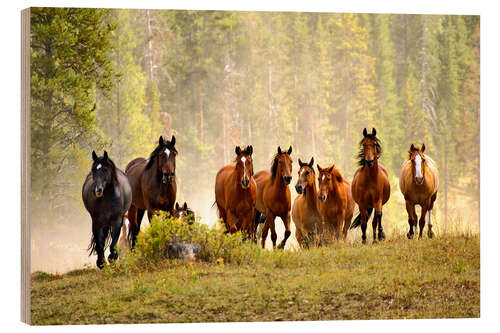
[(216, 246)]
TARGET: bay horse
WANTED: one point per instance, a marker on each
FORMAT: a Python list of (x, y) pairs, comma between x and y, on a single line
[(236, 193), (419, 182), (336, 205), (305, 213), (183, 213), (370, 186), (273, 196), (153, 184), (107, 195)]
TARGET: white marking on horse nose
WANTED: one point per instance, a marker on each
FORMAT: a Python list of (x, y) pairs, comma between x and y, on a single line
[(244, 159), (418, 166), (167, 152), (98, 166), (323, 178)]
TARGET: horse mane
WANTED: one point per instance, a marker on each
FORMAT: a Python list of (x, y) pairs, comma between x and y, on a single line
[(156, 152), (337, 175), (361, 153), (112, 165), (274, 166)]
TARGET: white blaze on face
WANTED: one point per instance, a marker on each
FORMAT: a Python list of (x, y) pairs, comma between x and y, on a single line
[(418, 166), (98, 166), (243, 160), (167, 152), (323, 178)]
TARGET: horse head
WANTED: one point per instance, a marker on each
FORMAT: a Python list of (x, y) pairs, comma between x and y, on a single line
[(328, 179), (183, 211), (244, 165), (165, 155), (370, 148), (282, 165), (103, 173), (417, 159), (306, 176)]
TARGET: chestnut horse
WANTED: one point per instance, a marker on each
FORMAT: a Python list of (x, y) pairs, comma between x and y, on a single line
[(153, 184), (273, 198), (236, 193), (419, 182), (336, 205), (305, 212), (370, 185)]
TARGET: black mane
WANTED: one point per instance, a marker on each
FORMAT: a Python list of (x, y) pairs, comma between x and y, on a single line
[(158, 150), (361, 153), (274, 166)]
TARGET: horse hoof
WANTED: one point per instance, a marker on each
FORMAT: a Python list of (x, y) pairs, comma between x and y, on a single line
[(100, 264), (363, 241), (112, 257), (410, 236), (381, 236), (430, 233)]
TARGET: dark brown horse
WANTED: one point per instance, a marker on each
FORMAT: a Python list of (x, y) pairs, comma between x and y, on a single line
[(183, 213), (370, 185), (305, 212), (273, 197), (419, 182), (153, 184), (106, 195), (236, 193), (336, 205)]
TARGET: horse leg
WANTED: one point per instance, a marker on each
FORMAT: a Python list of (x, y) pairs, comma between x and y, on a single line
[(412, 218), (425, 208), (265, 229), (116, 227), (430, 233), (137, 227), (374, 226), (378, 218), (364, 221), (286, 222), (101, 234), (347, 224), (231, 222), (256, 223), (274, 235)]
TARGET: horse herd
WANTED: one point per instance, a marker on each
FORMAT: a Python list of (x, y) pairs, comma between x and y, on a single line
[(245, 200)]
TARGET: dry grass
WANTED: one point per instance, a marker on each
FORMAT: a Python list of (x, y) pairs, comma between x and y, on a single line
[(398, 278)]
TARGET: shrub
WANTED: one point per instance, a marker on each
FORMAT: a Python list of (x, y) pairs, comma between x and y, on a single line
[(216, 246)]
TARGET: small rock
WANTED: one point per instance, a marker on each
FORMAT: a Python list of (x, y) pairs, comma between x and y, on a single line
[(187, 251)]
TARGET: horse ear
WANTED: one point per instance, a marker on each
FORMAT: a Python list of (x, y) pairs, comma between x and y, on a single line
[(185, 205), (311, 162), (94, 156), (237, 150), (290, 150), (160, 141), (339, 178), (279, 150), (249, 150), (300, 163), (172, 142), (177, 206), (319, 168), (423, 147), (412, 147), (106, 155), (374, 131), (365, 133)]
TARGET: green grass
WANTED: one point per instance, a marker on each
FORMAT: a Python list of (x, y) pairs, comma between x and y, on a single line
[(398, 278)]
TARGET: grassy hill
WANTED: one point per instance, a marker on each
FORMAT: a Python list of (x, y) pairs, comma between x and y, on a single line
[(397, 278)]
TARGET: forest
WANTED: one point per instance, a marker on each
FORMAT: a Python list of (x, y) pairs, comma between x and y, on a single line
[(118, 79)]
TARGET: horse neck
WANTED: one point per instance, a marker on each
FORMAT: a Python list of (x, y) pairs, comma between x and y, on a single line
[(278, 183), (311, 194)]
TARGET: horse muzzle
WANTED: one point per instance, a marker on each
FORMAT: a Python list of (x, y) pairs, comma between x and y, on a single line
[(287, 179), (299, 189), (419, 180), (99, 192), (370, 163), (322, 197), (245, 183)]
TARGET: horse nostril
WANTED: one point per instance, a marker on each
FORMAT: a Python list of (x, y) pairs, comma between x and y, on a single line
[(298, 188), (322, 197)]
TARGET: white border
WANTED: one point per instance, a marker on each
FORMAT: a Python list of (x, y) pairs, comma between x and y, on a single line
[(490, 160)]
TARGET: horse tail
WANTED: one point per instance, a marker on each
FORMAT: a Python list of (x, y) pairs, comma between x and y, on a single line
[(357, 221), (93, 242)]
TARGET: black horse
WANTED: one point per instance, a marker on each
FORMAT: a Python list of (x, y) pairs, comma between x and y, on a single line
[(107, 196)]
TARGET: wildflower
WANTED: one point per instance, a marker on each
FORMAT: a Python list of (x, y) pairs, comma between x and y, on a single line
[(220, 261)]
